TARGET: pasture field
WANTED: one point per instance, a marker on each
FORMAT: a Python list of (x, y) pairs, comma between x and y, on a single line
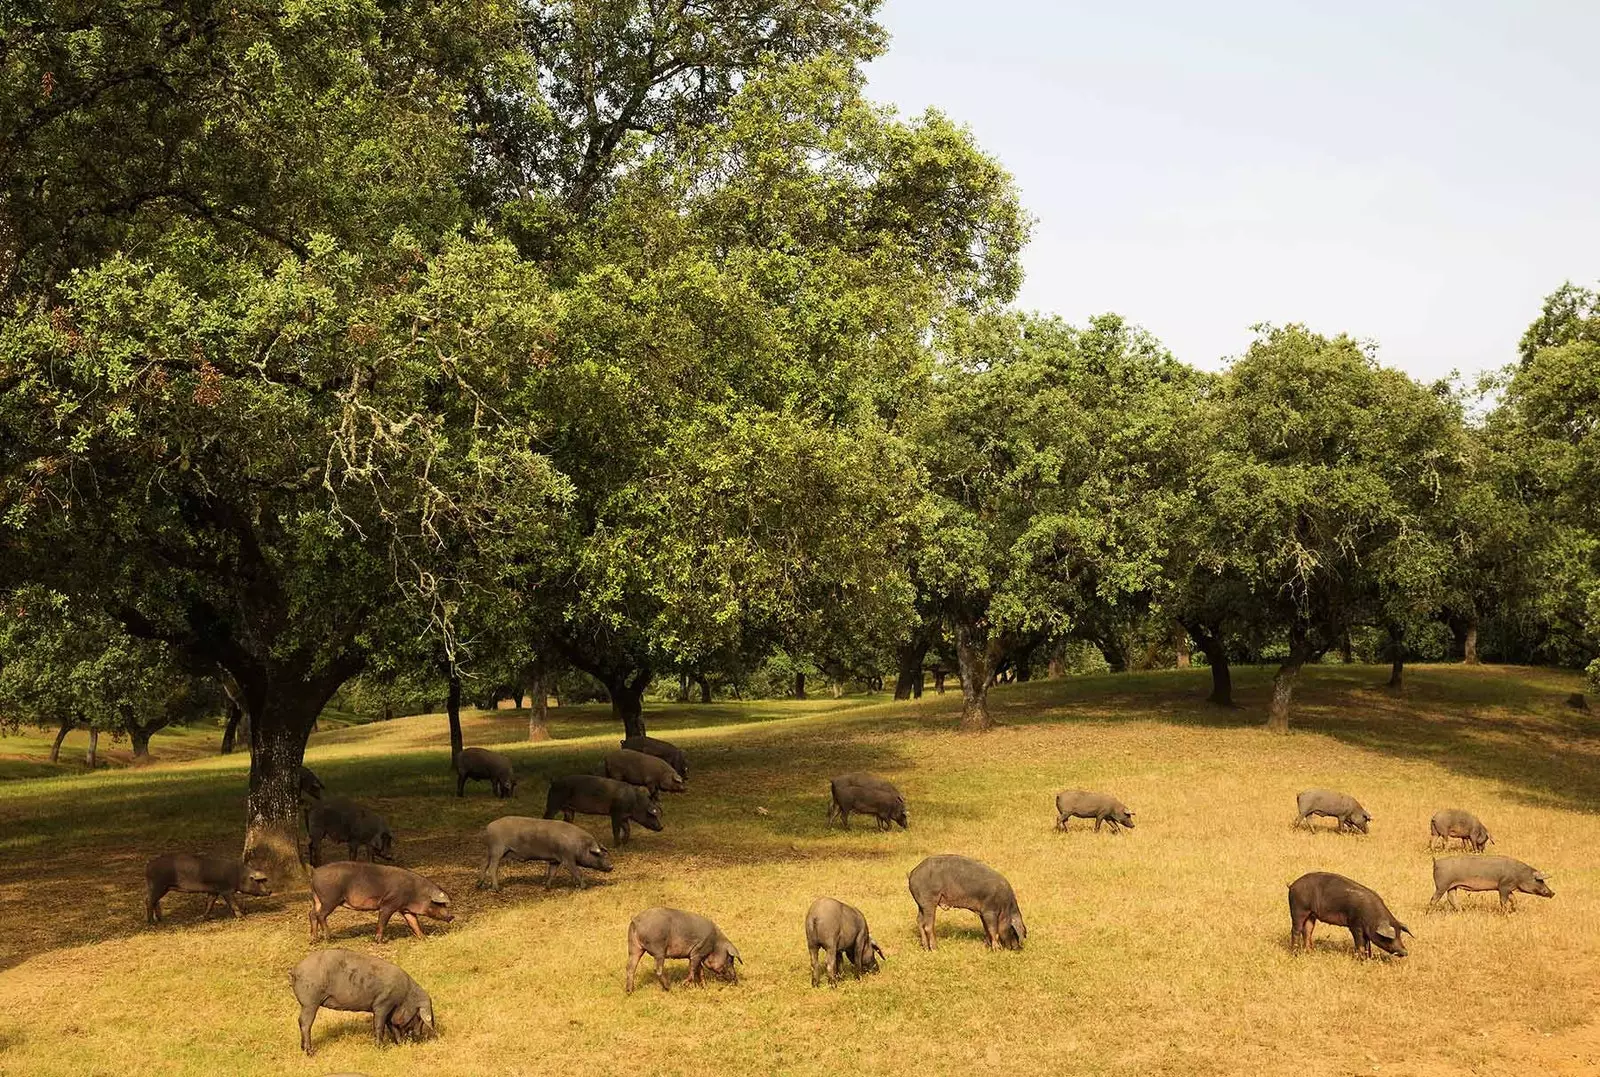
[(1160, 952)]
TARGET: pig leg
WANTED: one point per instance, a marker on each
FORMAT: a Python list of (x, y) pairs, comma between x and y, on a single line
[(844, 817), (211, 900), (1507, 902), (380, 1026), (383, 920), (816, 978), (618, 834), (577, 877), (308, 1014), (926, 921), (489, 874), (566, 814), (411, 922), (661, 969), (549, 874), (634, 954), (234, 906), (697, 971), (461, 785), (152, 903), (833, 967)]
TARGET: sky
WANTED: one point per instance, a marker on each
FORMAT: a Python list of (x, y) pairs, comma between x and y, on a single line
[(1416, 174)]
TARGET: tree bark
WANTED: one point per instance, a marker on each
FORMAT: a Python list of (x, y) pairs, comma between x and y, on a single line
[(1180, 645), (539, 704), (683, 688), (938, 681), (705, 687), (1397, 658), (799, 684), (1282, 695), (1469, 643), (1057, 668), (908, 667), (1114, 652), (627, 700), (452, 707), (61, 735), (92, 757), (230, 731), (1212, 645), (1346, 650), (976, 665), (139, 735)]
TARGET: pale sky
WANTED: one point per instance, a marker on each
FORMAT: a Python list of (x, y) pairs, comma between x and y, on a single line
[(1418, 174)]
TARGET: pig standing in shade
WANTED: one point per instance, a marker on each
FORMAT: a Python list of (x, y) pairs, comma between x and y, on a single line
[(1101, 807), (557, 843), (482, 765), (834, 928), (957, 882), (661, 750), (866, 794), (664, 933), (356, 983), (1508, 876), (189, 874), (636, 768), (593, 795), (1338, 806), (1462, 825), (310, 785), (375, 888), (345, 820), (1334, 899)]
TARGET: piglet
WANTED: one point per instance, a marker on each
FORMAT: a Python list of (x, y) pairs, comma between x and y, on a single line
[(344, 980)]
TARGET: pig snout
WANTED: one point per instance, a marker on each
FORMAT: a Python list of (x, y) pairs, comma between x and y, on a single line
[(1540, 888), (255, 884), (439, 910), (596, 858), (1125, 819)]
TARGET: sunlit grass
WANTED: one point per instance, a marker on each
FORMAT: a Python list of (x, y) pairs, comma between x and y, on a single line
[(1163, 951)]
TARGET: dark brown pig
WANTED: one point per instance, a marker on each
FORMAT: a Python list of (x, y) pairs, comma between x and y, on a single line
[(636, 768), (1101, 807), (590, 794), (1501, 873), (664, 933), (480, 764), (1339, 806), (310, 784), (661, 750), (866, 794), (957, 882), (834, 928), (557, 843), (356, 983), (1463, 825), (375, 888), (1334, 899), (190, 874), (345, 820)]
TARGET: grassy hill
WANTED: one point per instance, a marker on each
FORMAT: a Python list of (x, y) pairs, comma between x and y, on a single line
[(1163, 951)]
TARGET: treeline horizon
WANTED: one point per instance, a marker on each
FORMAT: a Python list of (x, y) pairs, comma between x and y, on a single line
[(391, 347)]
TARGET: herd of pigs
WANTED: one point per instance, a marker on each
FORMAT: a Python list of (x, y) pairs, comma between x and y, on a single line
[(628, 791)]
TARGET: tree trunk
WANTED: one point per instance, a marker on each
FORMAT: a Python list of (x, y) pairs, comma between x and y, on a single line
[(683, 688), (1115, 654), (1282, 695), (705, 687), (1346, 650), (938, 681), (452, 707), (281, 720), (1212, 645), (140, 736), (627, 701), (1469, 643), (92, 756), (1397, 658), (538, 707), (231, 730), (1057, 668), (1180, 644), (908, 667), (972, 656), (61, 735), (799, 684)]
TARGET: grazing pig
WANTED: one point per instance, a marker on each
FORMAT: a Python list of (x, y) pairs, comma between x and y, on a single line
[(869, 795), (189, 874), (836, 928), (1101, 807), (480, 764), (356, 983), (1455, 823), (1342, 902), (346, 821), (661, 750), (636, 768), (1339, 806), (593, 795), (664, 933), (957, 882), (310, 785), (557, 843), (1452, 873), (375, 887)]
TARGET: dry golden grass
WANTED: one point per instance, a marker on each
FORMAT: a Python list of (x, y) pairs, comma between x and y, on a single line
[(1163, 951)]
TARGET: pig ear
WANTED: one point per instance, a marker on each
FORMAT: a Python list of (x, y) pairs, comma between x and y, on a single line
[(259, 876), (879, 951), (1540, 876), (441, 898), (1385, 931)]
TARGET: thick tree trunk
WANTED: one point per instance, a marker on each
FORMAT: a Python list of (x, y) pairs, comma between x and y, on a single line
[(683, 688), (705, 687), (92, 757), (1115, 654), (1397, 659), (1346, 650), (975, 662), (452, 708), (799, 684), (1180, 645), (1469, 643), (61, 735), (1213, 646), (140, 736), (539, 708), (1282, 695), (1057, 668), (627, 701), (908, 668)]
